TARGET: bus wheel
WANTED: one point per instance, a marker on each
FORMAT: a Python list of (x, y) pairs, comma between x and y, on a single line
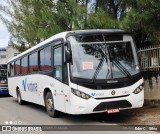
[(19, 98), (50, 106)]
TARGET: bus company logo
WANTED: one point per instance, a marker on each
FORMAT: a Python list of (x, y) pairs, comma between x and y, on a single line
[(32, 87), (97, 94), (113, 92), (93, 94), (24, 83)]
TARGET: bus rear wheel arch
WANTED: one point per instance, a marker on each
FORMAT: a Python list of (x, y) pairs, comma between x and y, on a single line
[(49, 104)]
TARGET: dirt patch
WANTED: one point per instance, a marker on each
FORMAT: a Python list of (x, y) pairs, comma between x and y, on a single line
[(140, 116), (145, 116)]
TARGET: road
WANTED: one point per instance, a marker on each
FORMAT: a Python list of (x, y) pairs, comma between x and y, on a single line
[(32, 114)]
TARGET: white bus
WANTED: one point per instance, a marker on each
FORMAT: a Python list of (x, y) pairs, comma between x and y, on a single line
[(79, 72)]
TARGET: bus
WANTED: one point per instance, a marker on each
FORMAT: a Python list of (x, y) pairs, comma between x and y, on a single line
[(79, 72), (3, 79)]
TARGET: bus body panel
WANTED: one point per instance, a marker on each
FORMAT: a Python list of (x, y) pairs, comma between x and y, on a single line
[(66, 101), (32, 90), (82, 106), (106, 93)]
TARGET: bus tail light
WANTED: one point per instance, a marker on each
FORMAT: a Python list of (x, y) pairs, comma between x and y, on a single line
[(138, 89), (80, 94)]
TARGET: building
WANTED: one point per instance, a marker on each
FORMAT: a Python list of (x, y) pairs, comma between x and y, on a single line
[(6, 53)]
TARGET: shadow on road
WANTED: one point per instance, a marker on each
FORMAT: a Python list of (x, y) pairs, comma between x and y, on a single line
[(4, 95), (36, 107), (123, 117), (119, 118)]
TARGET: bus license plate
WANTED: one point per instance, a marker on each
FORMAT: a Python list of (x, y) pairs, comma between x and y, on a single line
[(116, 110)]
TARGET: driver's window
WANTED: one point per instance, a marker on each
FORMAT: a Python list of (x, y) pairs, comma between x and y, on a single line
[(57, 62)]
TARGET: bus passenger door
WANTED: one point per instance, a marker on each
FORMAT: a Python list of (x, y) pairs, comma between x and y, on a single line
[(57, 74)]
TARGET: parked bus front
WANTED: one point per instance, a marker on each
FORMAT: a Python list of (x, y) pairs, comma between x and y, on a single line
[(104, 72)]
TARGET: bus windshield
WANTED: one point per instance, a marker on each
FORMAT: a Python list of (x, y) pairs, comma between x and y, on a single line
[(95, 58)]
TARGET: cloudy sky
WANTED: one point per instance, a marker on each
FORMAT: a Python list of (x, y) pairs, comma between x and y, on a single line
[(4, 34)]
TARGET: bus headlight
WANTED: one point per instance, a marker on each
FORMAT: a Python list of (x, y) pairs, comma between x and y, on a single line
[(80, 94), (138, 89)]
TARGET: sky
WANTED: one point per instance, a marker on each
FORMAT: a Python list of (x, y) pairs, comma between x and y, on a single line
[(4, 34)]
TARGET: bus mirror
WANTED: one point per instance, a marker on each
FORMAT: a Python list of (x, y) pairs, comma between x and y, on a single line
[(68, 56), (68, 53), (67, 44)]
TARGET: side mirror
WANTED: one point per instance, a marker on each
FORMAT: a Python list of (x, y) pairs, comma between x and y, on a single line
[(68, 52)]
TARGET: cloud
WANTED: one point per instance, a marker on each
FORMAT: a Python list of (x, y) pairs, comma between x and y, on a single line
[(4, 35)]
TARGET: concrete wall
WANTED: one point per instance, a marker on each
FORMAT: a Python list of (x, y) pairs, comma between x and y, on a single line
[(152, 88)]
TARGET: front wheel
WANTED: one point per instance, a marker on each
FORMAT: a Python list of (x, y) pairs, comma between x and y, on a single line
[(50, 106), (19, 98)]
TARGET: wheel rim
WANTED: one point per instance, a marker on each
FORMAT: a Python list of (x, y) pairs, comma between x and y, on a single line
[(49, 104)]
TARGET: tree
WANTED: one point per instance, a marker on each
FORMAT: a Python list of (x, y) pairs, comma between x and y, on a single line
[(140, 17), (32, 21), (142, 20)]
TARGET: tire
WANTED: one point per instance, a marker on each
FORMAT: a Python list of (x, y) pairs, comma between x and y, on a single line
[(19, 98), (49, 103)]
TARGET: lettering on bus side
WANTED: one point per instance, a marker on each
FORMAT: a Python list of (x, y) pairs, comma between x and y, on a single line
[(33, 87)]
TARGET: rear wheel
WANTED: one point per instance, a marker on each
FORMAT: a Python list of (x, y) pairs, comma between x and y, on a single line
[(50, 106), (19, 98)]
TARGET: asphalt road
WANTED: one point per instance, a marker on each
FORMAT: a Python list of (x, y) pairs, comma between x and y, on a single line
[(31, 114)]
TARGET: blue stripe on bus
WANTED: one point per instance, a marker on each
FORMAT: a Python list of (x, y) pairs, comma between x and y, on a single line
[(3, 91)]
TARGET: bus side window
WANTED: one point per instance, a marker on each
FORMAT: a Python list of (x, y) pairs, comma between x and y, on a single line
[(33, 62), (17, 66), (12, 69), (45, 59), (57, 67)]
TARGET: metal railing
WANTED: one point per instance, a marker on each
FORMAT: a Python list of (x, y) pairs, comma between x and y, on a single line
[(149, 58)]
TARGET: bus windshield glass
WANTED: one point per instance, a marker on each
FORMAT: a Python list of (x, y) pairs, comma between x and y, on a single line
[(93, 57)]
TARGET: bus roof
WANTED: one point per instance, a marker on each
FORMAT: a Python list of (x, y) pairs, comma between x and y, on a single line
[(60, 35), (63, 35)]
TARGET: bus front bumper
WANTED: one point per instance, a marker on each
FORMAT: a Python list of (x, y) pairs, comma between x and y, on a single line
[(92, 105)]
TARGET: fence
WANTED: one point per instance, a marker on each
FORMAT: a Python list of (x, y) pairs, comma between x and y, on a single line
[(149, 58)]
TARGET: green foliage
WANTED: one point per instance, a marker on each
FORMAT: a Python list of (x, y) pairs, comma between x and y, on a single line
[(101, 20), (143, 21), (32, 21)]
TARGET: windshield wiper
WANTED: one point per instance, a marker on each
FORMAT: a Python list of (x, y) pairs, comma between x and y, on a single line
[(104, 57), (114, 61), (119, 65), (98, 68)]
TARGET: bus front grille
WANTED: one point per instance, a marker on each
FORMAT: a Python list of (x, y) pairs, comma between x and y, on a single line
[(112, 104), (112, 97)]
